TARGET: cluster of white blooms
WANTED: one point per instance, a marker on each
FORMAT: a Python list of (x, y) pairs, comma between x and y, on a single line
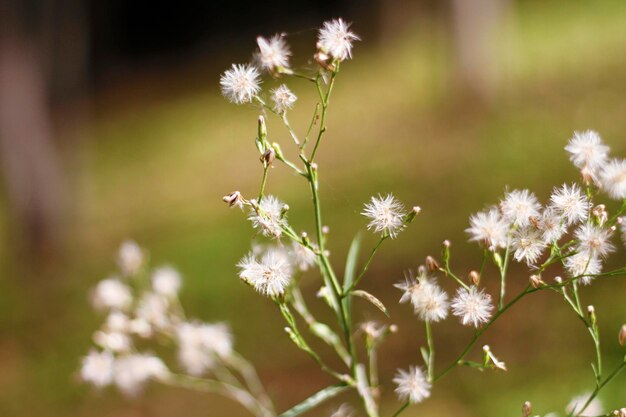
[(412, 385), (143, 309), (387, 215), (522, 224)]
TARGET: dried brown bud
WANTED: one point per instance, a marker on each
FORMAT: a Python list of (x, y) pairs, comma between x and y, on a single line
[(432, 264), (234, 199), (622, 335), (527, 409), (535, 281), (474, 277), (268, 156)]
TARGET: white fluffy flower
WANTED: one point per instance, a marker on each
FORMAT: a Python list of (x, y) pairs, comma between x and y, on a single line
[(528, 244), (336, 39), (166, 281), (97, 368), (519, 206), (594, 240), (412, 385), (112, 340), (386, 215), (551, 225), (429, 301), (283, 99), (273, 54), (587, 151), (473, 306), (131, 372), (240, 84), (154, 310), (200, 344), (613, 179), (576, 405), (130, 257), (583, 265), (571, 203), (270, 276), (303, 257), (489, 228), (112, 293), (271, 218), (117, 322)]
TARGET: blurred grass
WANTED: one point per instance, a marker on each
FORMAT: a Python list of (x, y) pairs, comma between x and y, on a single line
[(156, 169)]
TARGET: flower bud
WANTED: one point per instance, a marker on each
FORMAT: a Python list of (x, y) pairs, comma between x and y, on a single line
[(325, 230), (535, 281), (234, 199), (268, 157), (432, 264), (558, 280), (622, 335), (474, 277), (278, 150), (262, 129), (527, 409), (412, 214), (592, 314)]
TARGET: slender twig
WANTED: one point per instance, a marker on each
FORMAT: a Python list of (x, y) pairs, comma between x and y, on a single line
[(431, 352), (401, 409), (367, 264)]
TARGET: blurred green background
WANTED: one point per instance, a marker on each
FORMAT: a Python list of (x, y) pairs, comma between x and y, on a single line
[(443, 105)]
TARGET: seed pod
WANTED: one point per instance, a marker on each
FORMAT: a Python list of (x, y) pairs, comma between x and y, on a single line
[(234, 199), (432, 264), (474, 277)]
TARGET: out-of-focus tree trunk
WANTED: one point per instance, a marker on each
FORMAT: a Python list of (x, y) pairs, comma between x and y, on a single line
[(475, 25), (29, 157)]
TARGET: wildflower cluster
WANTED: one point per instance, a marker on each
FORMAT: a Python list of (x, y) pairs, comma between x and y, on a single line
[(569, 231), (142, 309)]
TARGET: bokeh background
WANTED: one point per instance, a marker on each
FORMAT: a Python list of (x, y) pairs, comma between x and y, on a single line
[(112, 127)]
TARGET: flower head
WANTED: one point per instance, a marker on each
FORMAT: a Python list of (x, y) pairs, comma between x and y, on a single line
[(270, 276), (112, 293), (489, 228), (166, 281), (273, 54), (551, 225), (283, 99), (528, 244), (97, 368), (613, 179), (154, 309), (519, 206), (302, 257), (386, 215), (200, 344), (412, 385), (583, 265), (336, 39), (587, 151), (571, 203), (472, 305), (594, 240), (240, 84), (271, 217), (130, 257), (132, 371)]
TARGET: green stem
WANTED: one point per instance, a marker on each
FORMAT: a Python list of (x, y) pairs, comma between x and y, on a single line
[(478, 333), (313, 120), (325, 100), (503, 271), (601, 385), (401, 409), (367, 264), (263, 182), (431, 352)]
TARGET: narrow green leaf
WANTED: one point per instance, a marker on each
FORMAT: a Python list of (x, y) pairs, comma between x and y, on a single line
[(315, 400), (425, 354), (369, 297), (351, 262)]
